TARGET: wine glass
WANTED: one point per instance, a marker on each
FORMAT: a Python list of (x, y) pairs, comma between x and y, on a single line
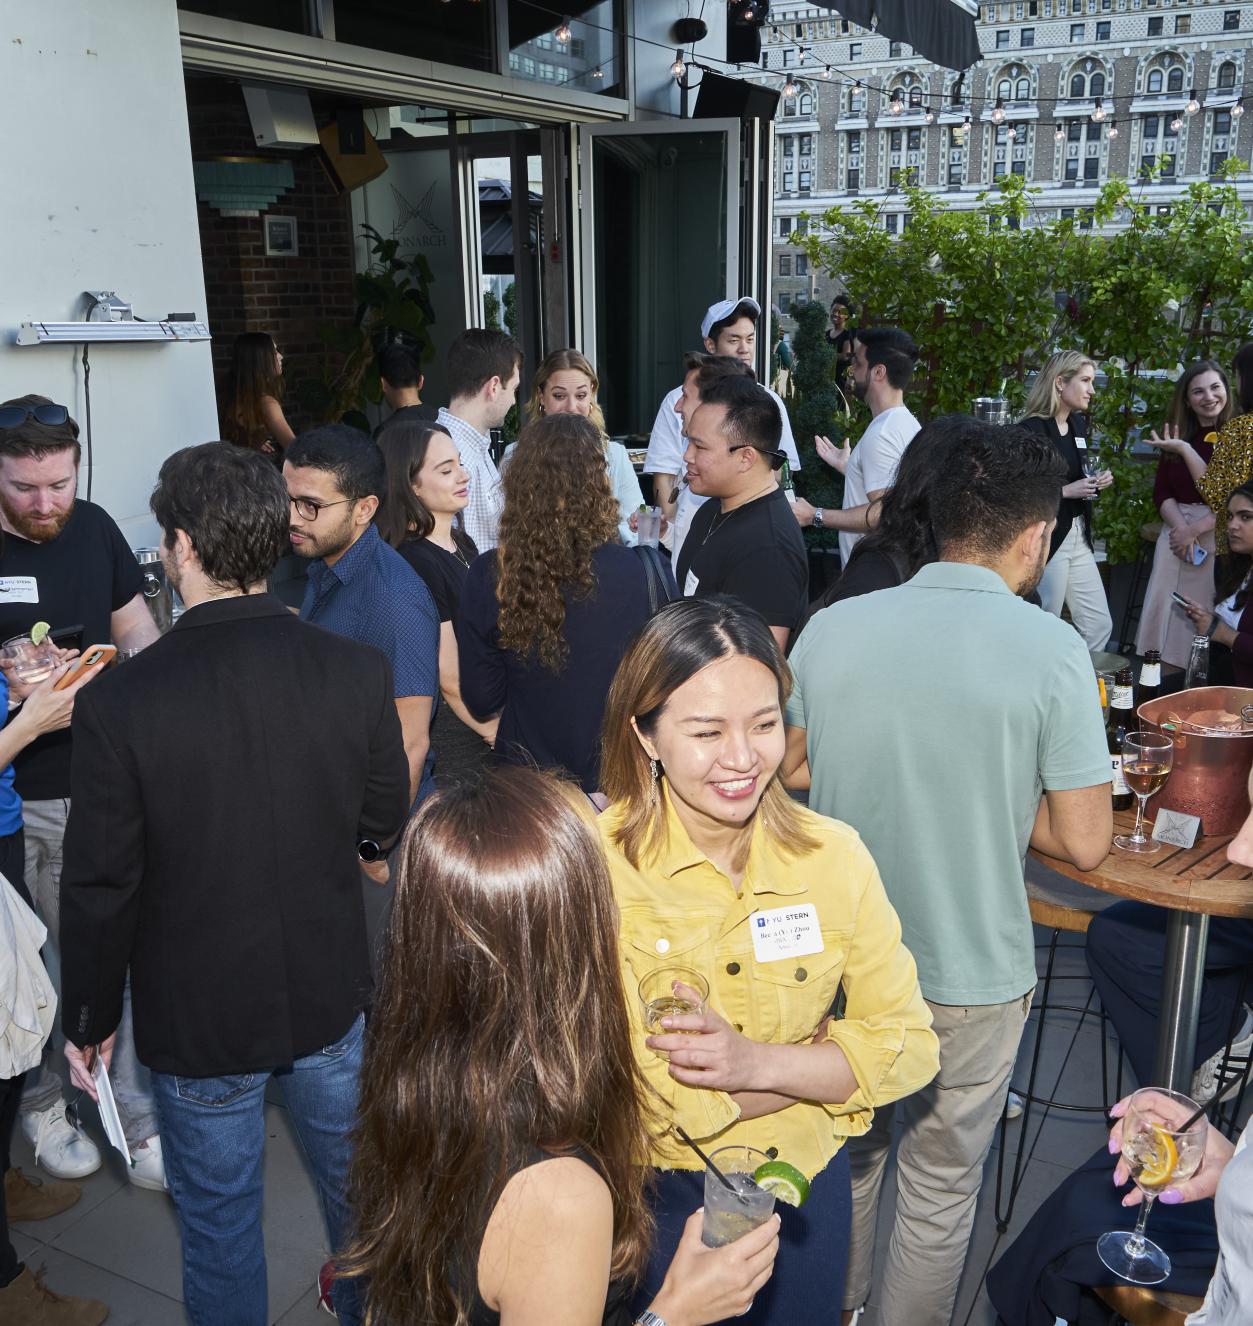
[(1158, 1150), (1092, 467), (1147, 758)]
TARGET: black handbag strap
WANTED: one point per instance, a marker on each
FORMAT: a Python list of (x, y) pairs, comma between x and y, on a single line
[(654, 572)]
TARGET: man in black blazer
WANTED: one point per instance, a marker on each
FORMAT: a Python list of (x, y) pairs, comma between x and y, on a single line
[(223, 781)]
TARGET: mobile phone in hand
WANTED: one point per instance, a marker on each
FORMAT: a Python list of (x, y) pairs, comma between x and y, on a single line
[(92, 660), (1180, 600)]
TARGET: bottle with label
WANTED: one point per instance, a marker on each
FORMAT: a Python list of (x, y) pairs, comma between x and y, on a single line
[(1198, 663), (785, 482), (1121, 721), (1150, 677)]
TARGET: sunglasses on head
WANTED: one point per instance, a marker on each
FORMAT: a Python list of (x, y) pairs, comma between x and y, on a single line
[(14, 416)]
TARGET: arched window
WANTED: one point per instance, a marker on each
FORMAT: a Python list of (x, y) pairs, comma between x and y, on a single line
[(1077, 85), (1227, 74), (805, 103), (1096, 85), (1154, 81), (1005, 89), (1174, 79), (915, 95), (1023, 91)]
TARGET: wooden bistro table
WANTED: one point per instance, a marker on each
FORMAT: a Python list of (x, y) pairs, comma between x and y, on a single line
[(1192, 885)]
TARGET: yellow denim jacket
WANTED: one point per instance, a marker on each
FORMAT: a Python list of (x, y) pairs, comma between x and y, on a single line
[(680, 909)]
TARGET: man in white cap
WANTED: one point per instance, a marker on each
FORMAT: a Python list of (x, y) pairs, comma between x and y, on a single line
[(729, 327)]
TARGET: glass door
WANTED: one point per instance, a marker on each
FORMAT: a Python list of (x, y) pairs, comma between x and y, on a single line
[(662, 232)]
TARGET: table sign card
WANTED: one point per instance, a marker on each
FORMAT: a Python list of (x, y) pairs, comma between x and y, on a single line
[(1176, 828)]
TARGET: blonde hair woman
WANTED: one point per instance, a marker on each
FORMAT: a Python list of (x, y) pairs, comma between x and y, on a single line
[(1057, 409), (566, 383)]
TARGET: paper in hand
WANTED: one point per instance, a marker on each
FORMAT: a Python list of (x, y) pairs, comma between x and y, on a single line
[(109, 1116)]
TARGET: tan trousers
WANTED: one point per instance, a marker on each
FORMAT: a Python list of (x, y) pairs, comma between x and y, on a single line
[(947, 1132)]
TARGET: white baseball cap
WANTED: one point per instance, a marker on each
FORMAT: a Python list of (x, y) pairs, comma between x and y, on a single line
[(724, 308)]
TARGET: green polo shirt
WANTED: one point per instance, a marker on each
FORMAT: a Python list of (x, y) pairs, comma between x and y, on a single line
[(935, 714)]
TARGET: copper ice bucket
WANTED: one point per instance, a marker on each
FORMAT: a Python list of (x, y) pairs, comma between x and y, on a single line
[(1210, 776)]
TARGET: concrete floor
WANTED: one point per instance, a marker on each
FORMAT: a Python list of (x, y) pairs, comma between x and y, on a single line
[(120, 1244)]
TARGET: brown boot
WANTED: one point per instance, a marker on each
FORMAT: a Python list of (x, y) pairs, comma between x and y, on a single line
[(37, 1199), (29, 1302)]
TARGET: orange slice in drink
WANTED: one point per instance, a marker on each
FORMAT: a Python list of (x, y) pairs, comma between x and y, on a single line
[(1161, 1165)]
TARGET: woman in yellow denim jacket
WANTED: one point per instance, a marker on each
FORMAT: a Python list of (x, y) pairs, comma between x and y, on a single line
[(814, 1017)]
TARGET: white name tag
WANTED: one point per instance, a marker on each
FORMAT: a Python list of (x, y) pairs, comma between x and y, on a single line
[(690, 585), (19, 589), (1081, 443), (1176, 828), (785, 932)]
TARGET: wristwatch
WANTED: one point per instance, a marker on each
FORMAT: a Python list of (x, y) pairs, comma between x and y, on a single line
[(817, 521), (369, 851), (647, 1318)]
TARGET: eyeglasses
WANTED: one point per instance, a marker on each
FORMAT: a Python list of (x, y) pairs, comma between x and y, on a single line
[(307, 509), (776, 457), (14, 416)]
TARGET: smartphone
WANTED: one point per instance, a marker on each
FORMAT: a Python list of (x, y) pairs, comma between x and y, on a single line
[(1199, 554), (91, 660), (1179, 599)]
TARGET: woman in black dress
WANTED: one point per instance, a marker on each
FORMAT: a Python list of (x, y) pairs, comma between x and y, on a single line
[(427, 488)]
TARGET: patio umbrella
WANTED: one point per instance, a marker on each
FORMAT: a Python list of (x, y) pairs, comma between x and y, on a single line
[(942, 31)]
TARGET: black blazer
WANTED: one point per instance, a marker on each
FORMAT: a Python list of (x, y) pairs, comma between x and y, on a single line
[(1069, 509), (220, 781)]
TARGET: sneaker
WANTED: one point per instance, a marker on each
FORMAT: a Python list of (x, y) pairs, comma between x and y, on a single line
[(27, 1301), (147, 1168), (326, 1282), (1206, 1082), (1013, 1106), (60, 1149), (36, 1199)]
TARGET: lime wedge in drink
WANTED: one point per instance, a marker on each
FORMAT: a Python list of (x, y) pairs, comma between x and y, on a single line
[(39, 633), (785, 1181)]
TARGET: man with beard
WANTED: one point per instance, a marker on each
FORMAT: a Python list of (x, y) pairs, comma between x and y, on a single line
[(359, 586), (223, 782), (882, 366), (64, 561), (961, 702)]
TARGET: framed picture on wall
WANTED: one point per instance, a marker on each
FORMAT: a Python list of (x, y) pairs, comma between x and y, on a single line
[(280, 237)]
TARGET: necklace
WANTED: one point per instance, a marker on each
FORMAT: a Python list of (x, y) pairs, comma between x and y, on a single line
[(723, 516)]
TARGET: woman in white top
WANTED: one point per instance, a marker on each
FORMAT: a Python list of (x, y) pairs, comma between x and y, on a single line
[(566, 383)]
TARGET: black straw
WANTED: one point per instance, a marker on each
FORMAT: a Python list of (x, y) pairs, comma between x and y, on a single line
[(722, 1177)]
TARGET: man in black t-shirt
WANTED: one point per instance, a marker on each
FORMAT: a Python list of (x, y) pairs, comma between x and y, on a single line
[(400, 379), (748, 543), (66, 563)]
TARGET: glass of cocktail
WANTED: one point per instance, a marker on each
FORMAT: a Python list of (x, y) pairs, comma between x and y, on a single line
[(732, 1212), (670, 992), (32, 663)]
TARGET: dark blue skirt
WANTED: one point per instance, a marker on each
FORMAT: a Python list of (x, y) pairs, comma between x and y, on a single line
[(808, 1281)]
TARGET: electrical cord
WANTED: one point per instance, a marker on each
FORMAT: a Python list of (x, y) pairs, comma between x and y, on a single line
[(91, 469)]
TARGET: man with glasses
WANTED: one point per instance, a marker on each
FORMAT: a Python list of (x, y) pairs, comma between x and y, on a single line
[(359, 586), (748, 542), (223, 783), (64, 561)]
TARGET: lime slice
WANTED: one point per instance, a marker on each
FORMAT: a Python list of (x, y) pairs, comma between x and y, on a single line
[(39, 633), (785, 1181)]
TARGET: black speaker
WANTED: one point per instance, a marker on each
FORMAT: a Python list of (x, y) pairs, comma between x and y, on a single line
[(743, 43), (350, 121), (722, 98)]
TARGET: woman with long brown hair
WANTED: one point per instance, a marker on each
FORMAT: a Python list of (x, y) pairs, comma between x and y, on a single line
[(496, 1177), (427, 489), (1183, 560), (814, 1017), (547, 614), (566, 383), (252, 414)]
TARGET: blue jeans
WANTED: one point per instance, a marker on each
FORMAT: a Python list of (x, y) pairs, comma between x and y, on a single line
[(213, 1136)]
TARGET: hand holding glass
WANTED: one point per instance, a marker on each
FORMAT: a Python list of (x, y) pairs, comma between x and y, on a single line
[(730, 1213), (1147, 758), (661, 997), (1158, 1151), (32, 663), (1092, 468)]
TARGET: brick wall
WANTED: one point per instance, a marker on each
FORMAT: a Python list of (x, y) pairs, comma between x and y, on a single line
[(290, 297)]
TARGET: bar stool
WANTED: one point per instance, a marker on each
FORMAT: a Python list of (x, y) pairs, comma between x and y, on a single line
[(1141, 1305), (1233, 1070), (1059, 905), (1139, 583)]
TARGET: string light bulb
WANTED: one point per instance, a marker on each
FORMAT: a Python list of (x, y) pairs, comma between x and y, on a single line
[(562, 33), (897, 103), (826, 71), (929, 117), (678, 68), (1011, 133), (1112, 132), (789, 88), (1175, 125), (1237, 110), (1193, 104), (998, 111), (1059, 134), (1098, 112)]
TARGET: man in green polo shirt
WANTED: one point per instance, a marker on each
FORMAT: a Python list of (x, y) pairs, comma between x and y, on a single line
[(953, 725)]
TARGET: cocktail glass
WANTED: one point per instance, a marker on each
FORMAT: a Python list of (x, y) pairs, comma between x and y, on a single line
[(730, 1213)]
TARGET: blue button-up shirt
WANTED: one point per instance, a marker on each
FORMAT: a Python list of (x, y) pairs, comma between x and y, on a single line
[(373, 595)]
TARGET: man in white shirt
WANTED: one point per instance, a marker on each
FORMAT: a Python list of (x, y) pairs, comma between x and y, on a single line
[(729, 327), (882, 366), (484, 369)]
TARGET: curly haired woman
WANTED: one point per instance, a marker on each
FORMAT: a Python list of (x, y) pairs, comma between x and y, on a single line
[(546, 616)]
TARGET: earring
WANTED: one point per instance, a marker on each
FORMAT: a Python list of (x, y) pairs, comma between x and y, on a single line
[(654, 775)]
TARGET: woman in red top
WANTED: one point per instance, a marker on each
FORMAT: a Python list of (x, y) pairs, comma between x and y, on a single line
[(1183, 561)]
